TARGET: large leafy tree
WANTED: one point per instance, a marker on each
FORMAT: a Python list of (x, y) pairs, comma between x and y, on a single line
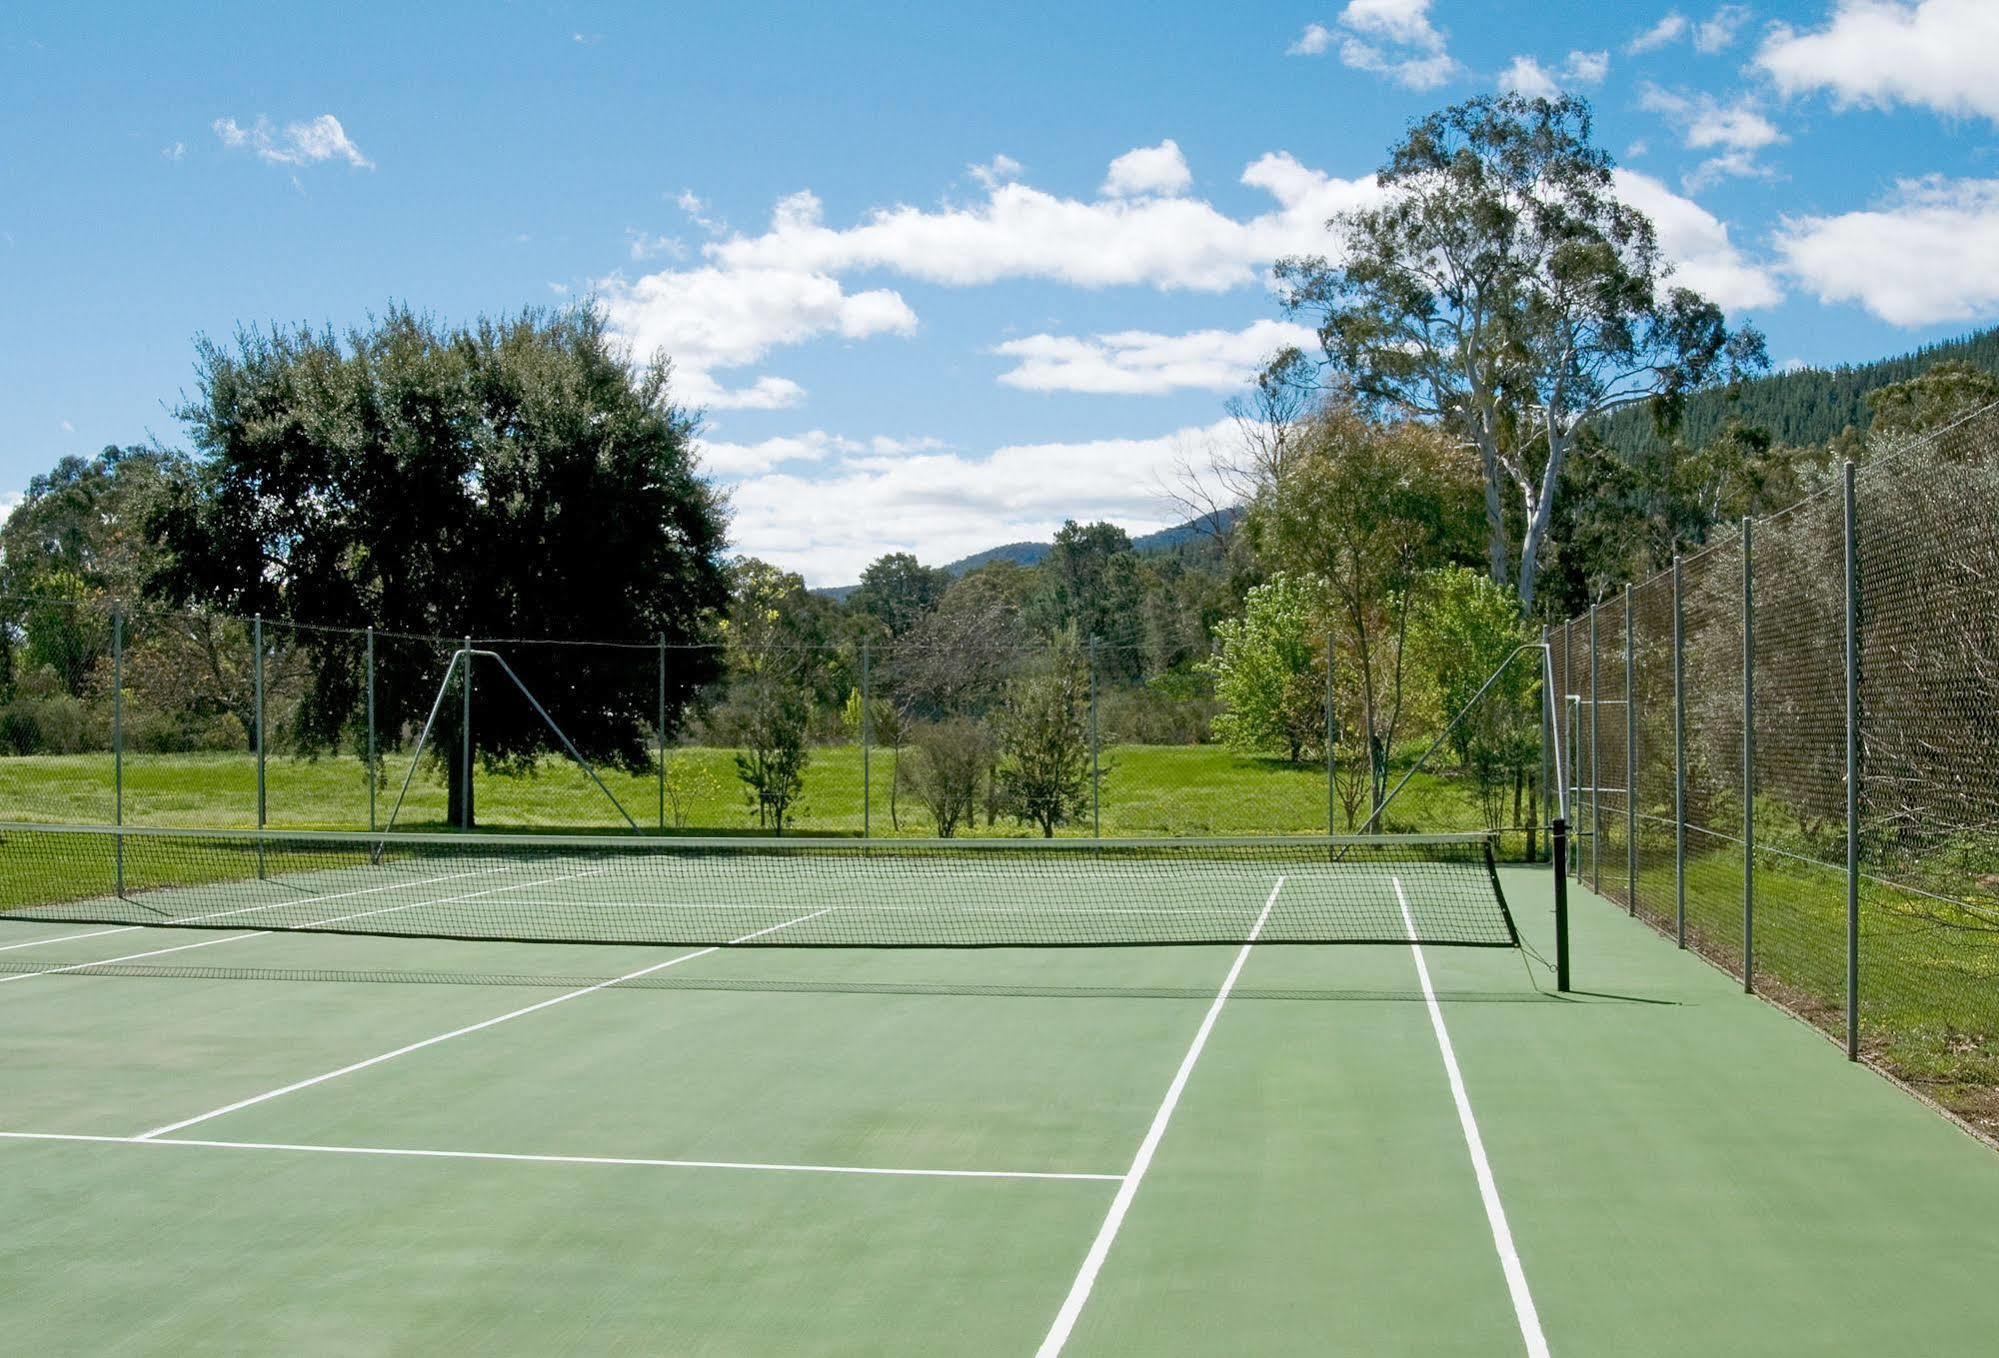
[(85, 520), (1269, 670), (1090, 582), (898, 591), (1502, 288), (517, 477)]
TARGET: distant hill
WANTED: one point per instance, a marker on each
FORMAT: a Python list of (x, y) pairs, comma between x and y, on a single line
[(1192, 535), (1801, 407)]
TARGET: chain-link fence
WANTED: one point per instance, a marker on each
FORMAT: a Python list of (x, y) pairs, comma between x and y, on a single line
[(1815, 770), (151, 716)]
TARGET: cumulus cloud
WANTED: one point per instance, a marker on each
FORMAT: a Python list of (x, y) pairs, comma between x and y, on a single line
[(9, 502), (1698, 244), (1315, 39), (1926, 255), (1733, 134), (1019, 231), (1149, 170), (1670, 29), (1717, 33), (1586, 68), (174, 150), (711, 319), (998, 170), (1526, 76), (306, 143), (1142, 363), (941, 504), (1935, 54), (1394, 38)]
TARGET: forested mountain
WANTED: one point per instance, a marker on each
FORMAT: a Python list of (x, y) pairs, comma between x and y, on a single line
[(1805, 406)]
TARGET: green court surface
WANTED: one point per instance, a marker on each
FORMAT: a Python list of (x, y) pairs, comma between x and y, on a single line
[(289, 1143)]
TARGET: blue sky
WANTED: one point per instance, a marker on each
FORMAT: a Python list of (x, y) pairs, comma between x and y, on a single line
[(941, 276)]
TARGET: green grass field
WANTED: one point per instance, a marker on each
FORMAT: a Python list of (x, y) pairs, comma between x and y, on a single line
[(1147, 790)]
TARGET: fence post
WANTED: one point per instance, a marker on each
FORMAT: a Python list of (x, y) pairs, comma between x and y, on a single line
[(373, 754), (1546, 786), (257, 669), (1096, 765), (1679, 761), (1630, 760), (1572, 711), (1595, 773), (1748, 758), (118, 742), (867, 739), (1332, 739), (659, 730), (1852, 773), (465, 744)]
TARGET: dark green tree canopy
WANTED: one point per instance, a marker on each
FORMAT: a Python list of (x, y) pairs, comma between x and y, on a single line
[(512, 478), (898, 591)]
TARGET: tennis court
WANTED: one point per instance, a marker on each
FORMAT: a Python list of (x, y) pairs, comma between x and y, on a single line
[(238, 1138)]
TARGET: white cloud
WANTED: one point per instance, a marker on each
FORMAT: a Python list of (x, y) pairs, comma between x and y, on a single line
[(1697, 243), (1149, 171), (1315, 39), (1141, 363), (1927, 255), (730, 461), (1733, 132), (1669, 29), (998, 170), (307, 143), (1935, 54), (9, 502), (1023, 232), (942, 504), (1525, 76), (1394, 38), (1717, 33), (67, 427), (1586, 68), (647, 245), (174, 151), (709, 319)]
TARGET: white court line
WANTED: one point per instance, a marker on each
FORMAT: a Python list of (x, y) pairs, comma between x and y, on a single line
[(549, 1003), (254, 909), (1100, 1248), (1488, 1189), (888, 1171), (316, 924)]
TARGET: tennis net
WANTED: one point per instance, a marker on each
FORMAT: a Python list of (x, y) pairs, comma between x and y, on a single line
[(851, 893)]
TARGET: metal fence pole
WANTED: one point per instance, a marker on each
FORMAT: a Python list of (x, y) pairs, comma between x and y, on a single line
[(118, 742), (1595, 773), (1332, 739), (1572, 708), (1852, 774), (867, 739), (1679, 760), (1630, 760), (1748, 758), (1545, 787), (257, 667), (659, 730), (465, 744), (1096, 763), (373, 751)]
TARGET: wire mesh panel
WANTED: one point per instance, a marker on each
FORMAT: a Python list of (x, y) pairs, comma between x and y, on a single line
[(1711, 602), (1928, 548), (1652, 709), (1611, 754), (1800, 715), (189, 719), (412, 788), (56, 699), (316, 718)]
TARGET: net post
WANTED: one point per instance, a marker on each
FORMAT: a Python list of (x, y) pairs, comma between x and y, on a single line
[(867, 738), (659, 730), (1096, 750), (257, 667), (1558, 847), (1748, 759), (1630, 761), (1679, 760), (118, 742), (374, 753), (1595, 772), (1852, 770), (465, 742), (1332, 739)]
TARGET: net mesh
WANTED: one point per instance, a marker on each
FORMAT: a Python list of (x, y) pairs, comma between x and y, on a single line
[(766, 892)]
